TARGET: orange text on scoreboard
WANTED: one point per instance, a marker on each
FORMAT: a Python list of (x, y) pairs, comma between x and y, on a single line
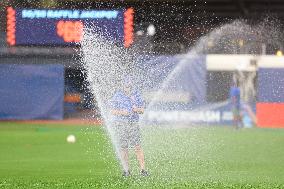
[(70, 31)]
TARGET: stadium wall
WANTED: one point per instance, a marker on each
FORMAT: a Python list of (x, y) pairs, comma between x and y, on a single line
[(270, 105), (31, 91)]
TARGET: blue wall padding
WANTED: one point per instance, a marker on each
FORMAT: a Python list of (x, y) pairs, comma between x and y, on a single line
[(31, 91), (270, 85)]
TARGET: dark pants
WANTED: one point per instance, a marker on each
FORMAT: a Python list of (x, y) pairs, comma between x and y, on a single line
[(127, 134)]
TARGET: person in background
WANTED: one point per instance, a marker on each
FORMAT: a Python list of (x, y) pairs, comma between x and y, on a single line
[(126, 105), (235, 101)]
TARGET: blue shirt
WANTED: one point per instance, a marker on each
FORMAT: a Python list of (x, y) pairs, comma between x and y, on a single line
[(120, 101), (235, 93)]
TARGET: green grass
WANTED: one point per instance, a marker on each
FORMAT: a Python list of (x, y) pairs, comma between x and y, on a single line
[(38, 156)]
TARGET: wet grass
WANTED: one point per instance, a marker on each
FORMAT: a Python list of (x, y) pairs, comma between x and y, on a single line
[(38, 156)]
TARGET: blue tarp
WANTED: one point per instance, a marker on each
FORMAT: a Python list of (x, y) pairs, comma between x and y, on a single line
[(31, 91), (181, 80)]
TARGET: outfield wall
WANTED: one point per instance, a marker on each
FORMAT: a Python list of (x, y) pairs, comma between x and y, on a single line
[(270, 104), (31, 91)]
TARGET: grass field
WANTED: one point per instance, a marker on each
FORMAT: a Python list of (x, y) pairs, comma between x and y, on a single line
[(38, 156)]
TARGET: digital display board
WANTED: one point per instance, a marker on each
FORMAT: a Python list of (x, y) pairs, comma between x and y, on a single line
[(65, 27)]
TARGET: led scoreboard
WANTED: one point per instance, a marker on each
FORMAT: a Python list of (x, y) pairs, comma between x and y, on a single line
[(65, 27)]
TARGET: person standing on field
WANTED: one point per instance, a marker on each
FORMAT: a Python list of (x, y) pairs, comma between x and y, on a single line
[(235, 100), (126, 105)]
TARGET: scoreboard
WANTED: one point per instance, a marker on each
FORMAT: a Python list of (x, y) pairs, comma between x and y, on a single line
[(65, 27)]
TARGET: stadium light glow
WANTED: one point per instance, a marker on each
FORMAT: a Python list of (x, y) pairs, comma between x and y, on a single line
[(279, 53), (151, 30)]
